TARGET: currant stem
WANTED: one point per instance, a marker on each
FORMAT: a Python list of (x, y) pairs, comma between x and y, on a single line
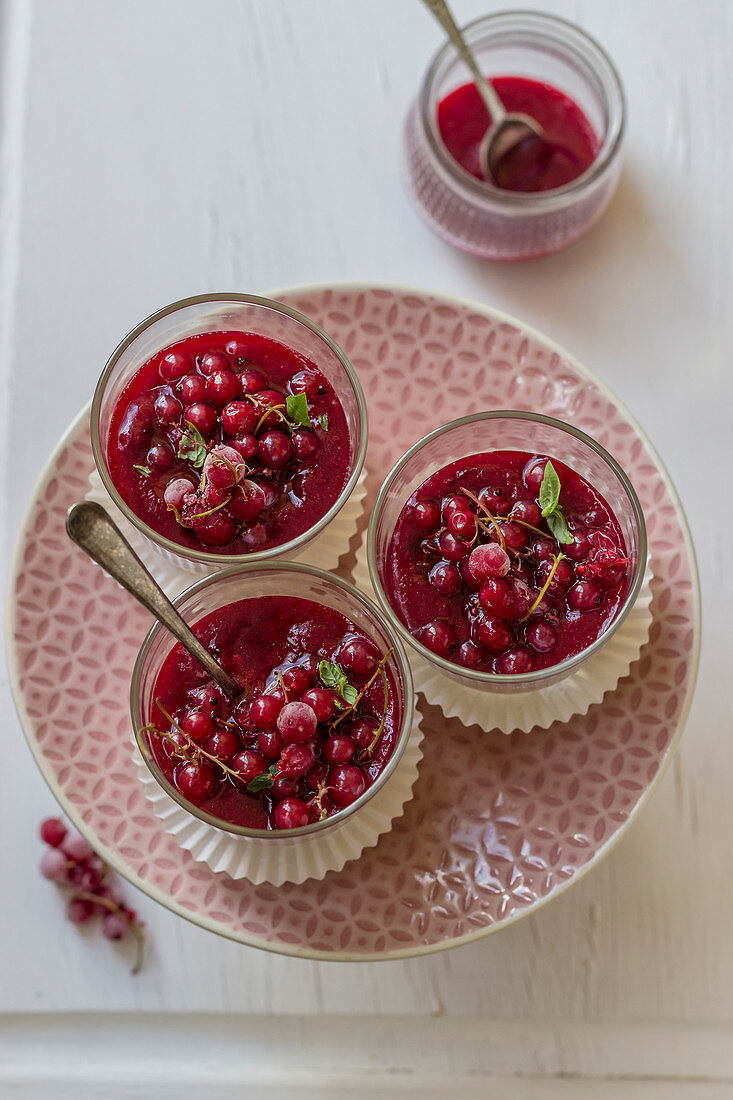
[(375, 741), (541, 594)]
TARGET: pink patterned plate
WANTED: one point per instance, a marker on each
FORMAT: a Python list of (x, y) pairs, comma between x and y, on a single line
[(498, 825)]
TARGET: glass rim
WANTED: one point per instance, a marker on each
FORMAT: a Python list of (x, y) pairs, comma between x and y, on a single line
[(204, 556), (571, 37), (500, 679), (406, 686)]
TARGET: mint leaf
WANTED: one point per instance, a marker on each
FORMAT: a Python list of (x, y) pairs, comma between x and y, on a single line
[(349, 693), (331, 675), (334, 677), (323, 421), (549, 495), (144, 470), (263, 782), (192, 446), (558, 526), (296, 406)]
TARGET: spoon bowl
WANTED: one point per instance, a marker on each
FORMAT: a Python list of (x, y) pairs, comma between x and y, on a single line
[(507, 129)]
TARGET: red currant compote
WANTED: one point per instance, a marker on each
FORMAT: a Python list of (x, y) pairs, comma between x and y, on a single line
[(512, 563), (227, 427), (552, 69), (325, 710)]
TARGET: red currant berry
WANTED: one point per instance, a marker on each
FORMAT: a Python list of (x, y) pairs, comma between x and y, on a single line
[(264, 711), (494, 635), (198, 725), (338, 749), (270, 744), (585, 596), (488, 560), (527, 511), (213, 361), (439, 637), (291, 813), (223, 744), (53, 831), (174, 364), (346, 783), (426, 515), (238, 418), (222, 386), (296, 760), (248, 764), (201, 416), (515, 661), (542, 636), (445, 578), (323, 702), (167, 409), (192, 388), (274, 449), (196, 781), (495, 597), (297, 680), (297, 722), (252, 381), (305, 445)]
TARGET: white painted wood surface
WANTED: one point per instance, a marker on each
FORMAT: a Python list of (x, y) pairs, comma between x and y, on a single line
[(158, 148)]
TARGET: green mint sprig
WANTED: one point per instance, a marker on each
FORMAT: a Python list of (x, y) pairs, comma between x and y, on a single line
[(192, 446), (549, 502), (334, 677), (263, 782), (144, 470), (296, 406)]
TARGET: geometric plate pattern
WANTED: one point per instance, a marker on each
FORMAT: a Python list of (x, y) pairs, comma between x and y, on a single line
[(498, 824)]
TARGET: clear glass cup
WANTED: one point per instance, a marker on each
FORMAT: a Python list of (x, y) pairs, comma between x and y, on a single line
[(488, 221), (220, 312), (497, 431), (252, 582)]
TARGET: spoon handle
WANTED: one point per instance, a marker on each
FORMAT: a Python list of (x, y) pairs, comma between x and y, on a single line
[(91, 528), (493, 104)]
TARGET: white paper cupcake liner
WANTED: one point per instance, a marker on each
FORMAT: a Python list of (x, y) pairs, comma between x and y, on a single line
[(174, 573), (526, 710), (279, 858)]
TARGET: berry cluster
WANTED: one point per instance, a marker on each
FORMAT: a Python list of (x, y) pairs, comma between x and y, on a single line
[(223, 442), (513, 576), (301, 747), (71, 862)]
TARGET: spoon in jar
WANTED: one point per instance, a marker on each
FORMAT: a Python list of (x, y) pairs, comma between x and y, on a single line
[(92, 529), (507, 129)]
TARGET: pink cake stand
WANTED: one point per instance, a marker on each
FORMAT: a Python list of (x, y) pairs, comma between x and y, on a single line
[(497, 825)]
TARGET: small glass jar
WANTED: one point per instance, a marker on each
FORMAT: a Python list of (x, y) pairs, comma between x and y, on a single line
[(221, 312), (507, 431), (489, 221), (251, 582)]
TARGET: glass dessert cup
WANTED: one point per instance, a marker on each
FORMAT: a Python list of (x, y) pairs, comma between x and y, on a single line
[(507, 430), (488, 221), (222, 312), (253, 581)]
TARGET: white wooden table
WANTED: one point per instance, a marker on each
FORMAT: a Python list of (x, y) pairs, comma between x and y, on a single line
[(159, 148)]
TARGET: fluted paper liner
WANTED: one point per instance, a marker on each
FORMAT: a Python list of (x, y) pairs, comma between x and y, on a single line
[(279, 858), (174, 573), (527, 710)]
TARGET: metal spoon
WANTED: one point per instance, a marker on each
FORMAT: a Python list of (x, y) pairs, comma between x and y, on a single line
[(91, 528), (507, 128)]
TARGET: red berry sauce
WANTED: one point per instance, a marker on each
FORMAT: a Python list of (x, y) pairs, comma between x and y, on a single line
[(259, 478), (472, 596), (570, 147), (294, 757)]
